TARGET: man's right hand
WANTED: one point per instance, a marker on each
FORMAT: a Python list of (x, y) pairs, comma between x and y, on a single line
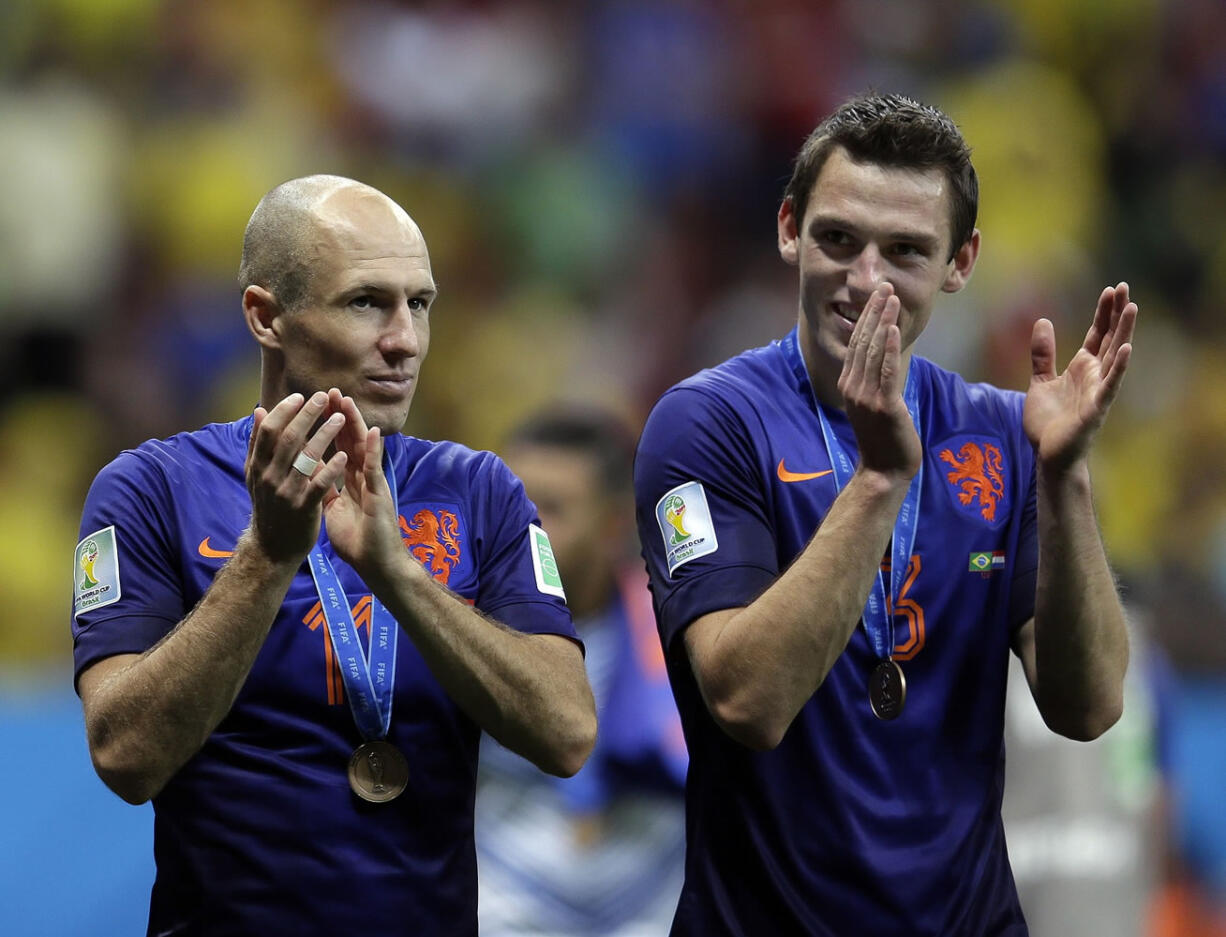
[(147, 714), (871, 384), (285, 501)]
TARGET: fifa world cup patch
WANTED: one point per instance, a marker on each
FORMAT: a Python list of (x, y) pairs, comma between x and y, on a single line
[(685, 524), (548, 580), (95, 571)]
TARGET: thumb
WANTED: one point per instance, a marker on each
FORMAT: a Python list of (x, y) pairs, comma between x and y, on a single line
[(1043, 351), (373, 469)]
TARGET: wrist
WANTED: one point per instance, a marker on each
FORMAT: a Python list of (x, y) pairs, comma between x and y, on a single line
[(254, 557), (882, 483), (1063, 484), (396, 566), (1062, 472)]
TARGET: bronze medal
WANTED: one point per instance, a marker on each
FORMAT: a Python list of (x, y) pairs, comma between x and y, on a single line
[(887, 690), (378, 771)]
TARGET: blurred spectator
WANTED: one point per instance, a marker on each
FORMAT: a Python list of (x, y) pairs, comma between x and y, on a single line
[(60, 209), (599, 853), (1083, 821)]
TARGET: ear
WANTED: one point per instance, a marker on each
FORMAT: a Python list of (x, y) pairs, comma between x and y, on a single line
[(962, 265), (261, 310), (789, 235)]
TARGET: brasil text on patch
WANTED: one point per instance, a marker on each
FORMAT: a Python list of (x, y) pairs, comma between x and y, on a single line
[(685, 524), (95, 571)]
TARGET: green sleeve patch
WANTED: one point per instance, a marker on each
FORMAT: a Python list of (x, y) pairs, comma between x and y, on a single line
[(548, 580)]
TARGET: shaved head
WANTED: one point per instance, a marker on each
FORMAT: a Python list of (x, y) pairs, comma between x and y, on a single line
[(282, 240), (337, 290)]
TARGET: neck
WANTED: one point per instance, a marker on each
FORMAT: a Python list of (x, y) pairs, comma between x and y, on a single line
[(272, 388)]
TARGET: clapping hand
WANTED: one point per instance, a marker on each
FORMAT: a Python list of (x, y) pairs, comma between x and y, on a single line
[(1064, 411), (287, 476), (361, 519), (871, 384)]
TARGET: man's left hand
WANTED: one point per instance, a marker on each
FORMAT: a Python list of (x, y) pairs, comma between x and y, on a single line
[(1064, 411), (360, 517)]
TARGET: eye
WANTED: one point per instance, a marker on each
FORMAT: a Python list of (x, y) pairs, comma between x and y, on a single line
[(419, 304), (363, 301)]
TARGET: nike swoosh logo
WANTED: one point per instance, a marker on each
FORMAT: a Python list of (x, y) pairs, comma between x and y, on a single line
[(205, 550), (786, 476)]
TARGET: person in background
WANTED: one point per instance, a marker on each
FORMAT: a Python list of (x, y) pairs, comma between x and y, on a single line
[(599, 853), (1085, 821), (290, 630)]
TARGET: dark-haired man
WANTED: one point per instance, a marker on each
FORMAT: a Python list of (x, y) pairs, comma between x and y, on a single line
[(844, 543), (290, 630)]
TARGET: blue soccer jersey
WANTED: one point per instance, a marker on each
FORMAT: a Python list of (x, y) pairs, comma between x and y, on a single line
[(259, 833), (852, 825)]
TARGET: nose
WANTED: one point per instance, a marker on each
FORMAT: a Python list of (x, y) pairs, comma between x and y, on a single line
[(866, 272), (401, 337)]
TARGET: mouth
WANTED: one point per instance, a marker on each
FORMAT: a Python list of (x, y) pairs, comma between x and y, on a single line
[(390, 385), (846, 313)]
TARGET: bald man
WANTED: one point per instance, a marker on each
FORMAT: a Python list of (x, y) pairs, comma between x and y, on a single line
[(289, 631)]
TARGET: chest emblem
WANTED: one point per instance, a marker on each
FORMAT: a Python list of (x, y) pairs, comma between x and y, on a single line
[(977, 477), (434, 539)]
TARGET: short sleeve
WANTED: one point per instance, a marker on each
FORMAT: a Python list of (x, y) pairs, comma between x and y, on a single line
[(701, 512), (128, 549), (519, 581)]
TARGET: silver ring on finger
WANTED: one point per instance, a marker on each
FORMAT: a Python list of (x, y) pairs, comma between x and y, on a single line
[(305, 465)]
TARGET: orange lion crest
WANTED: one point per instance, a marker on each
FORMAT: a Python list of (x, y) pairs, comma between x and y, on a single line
[(978, 474), (434, 540)]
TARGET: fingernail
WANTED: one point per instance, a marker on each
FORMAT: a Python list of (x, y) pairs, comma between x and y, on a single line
[(319, 398)]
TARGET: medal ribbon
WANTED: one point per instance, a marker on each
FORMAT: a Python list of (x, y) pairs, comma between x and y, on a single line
[(877, 618), (369, 677)]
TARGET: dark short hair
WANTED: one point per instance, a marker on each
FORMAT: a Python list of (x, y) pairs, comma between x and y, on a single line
[(895, 131), (594, 432)]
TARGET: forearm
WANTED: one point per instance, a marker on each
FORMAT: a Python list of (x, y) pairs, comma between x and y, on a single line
[(147, 715), (1081, 641), (530, 692), (763, 663)]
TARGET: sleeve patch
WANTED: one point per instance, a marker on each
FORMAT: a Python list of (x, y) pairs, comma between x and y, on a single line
[(543, 564), (95, 571), (685, 524)]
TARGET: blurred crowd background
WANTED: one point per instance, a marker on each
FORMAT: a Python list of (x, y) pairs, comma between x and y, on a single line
[(597, 182)]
